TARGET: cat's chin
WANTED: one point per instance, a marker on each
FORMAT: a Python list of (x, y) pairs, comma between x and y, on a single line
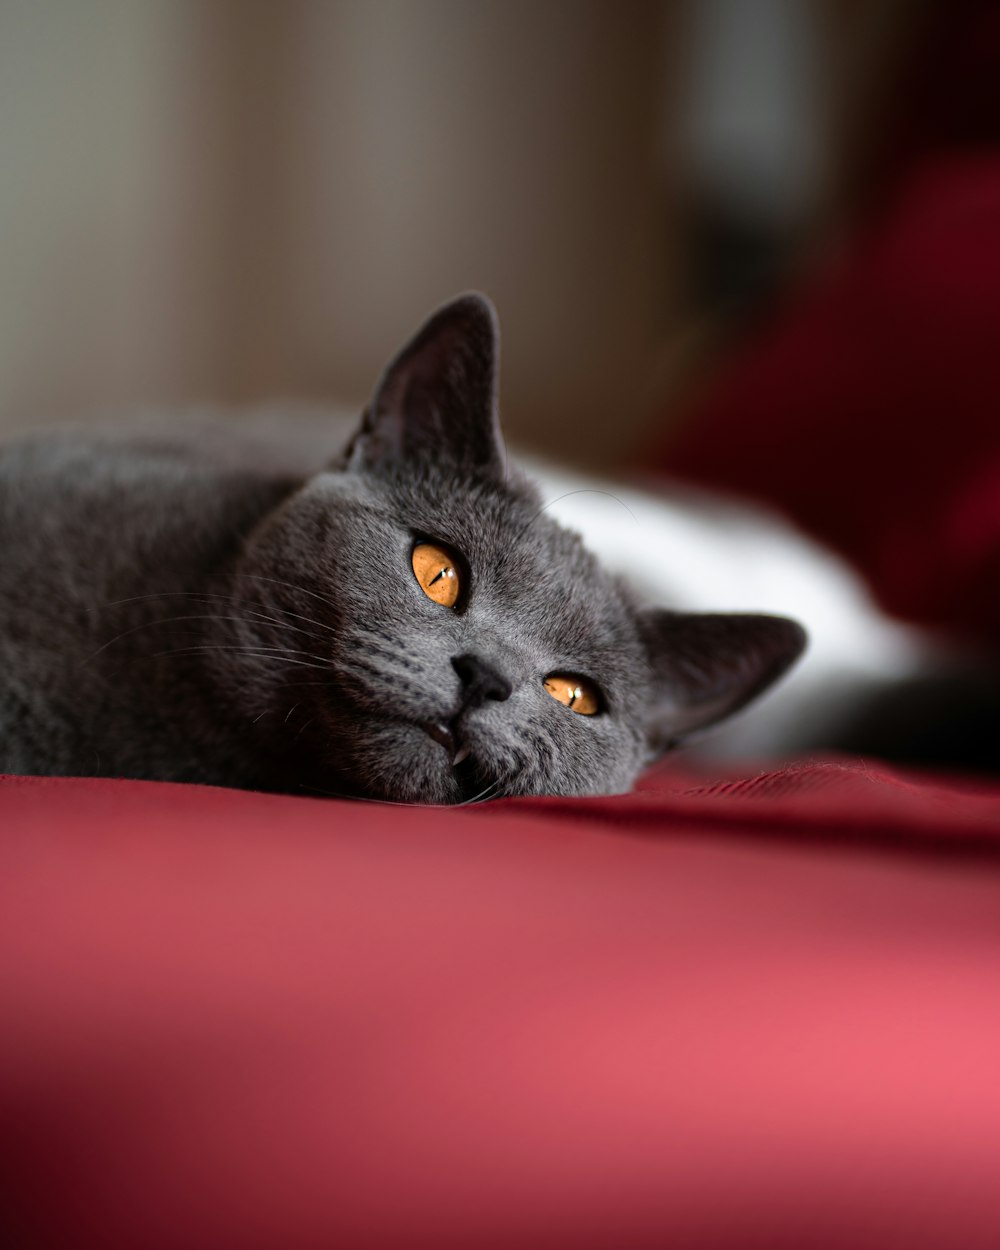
[(406, 763)]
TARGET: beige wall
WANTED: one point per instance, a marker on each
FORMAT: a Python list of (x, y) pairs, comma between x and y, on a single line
[(109, 291), (236, 198)]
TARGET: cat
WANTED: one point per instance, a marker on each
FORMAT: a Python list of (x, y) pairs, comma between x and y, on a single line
[(408, 623)]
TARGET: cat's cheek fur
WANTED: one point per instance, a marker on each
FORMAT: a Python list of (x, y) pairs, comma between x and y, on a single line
[(398, 762)]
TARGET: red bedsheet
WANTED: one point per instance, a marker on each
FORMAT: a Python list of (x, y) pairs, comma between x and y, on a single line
[(757, 1013)]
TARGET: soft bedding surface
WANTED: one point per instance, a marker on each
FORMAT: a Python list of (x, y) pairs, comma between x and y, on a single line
[(746, 1012)]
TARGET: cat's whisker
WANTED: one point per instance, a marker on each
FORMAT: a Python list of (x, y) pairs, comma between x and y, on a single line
[(164, 594), (202, 598), (291, 586), (272, 620), (289, 684), (483, 796), (134, 630), (168, 620), (360, 798), (285, 625), (251, 608), (279, 655), (302, 729), (582, 490), (288, 612), (256, 649)]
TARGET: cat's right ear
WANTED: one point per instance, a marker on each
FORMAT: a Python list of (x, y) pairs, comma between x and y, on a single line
[(705, 666), (437, 400)]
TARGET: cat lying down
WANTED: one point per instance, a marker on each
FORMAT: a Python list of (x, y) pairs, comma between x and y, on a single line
[(411, 623)]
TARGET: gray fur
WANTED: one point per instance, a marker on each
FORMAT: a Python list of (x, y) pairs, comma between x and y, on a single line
[(170, 611)]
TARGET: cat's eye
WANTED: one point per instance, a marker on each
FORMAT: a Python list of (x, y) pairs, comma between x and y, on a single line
[(575, 692), (436, 570)]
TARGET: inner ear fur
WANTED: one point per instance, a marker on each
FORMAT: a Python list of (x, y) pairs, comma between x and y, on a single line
[(708, 665), (437, 400)]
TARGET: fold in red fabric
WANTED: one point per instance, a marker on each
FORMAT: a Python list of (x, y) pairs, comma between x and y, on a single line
[(234, 1020)]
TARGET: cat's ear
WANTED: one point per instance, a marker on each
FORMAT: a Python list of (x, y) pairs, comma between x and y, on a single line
[(437, 400), (708, 665)]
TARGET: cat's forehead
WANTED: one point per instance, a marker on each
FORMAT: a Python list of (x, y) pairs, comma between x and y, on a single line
[(521, 560), (525, 570), (502, 528)]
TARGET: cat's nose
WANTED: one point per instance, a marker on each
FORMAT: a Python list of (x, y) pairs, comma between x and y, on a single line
[(481, 680)]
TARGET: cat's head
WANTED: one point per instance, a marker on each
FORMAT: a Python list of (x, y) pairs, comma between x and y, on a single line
[(474, 646)]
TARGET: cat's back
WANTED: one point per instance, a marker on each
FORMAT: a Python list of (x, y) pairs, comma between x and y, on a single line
[(86, 515), (90, 521), (102, 538)]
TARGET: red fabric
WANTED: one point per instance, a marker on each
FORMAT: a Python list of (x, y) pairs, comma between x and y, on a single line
[(869, 409), (761, 1013)]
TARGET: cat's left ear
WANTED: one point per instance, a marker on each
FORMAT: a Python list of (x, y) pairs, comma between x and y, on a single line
[(437, 400), (708, 665)]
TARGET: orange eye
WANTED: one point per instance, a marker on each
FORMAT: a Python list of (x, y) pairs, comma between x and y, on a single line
[(576, 692), (434, 568)]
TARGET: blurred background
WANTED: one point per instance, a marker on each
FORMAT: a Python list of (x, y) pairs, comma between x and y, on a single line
[(227, 200)]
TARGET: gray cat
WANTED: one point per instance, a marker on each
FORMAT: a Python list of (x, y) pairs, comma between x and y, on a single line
[(407, 624)]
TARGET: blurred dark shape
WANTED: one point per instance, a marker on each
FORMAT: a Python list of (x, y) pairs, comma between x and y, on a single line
[(735, 262), (751, 161), (948, 97), (946, 721)]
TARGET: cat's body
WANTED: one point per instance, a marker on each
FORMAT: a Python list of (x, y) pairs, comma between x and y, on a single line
[(190, 608), (109, 558)]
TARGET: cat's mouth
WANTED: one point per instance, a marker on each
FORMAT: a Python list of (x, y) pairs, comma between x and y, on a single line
[(446, 734)]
